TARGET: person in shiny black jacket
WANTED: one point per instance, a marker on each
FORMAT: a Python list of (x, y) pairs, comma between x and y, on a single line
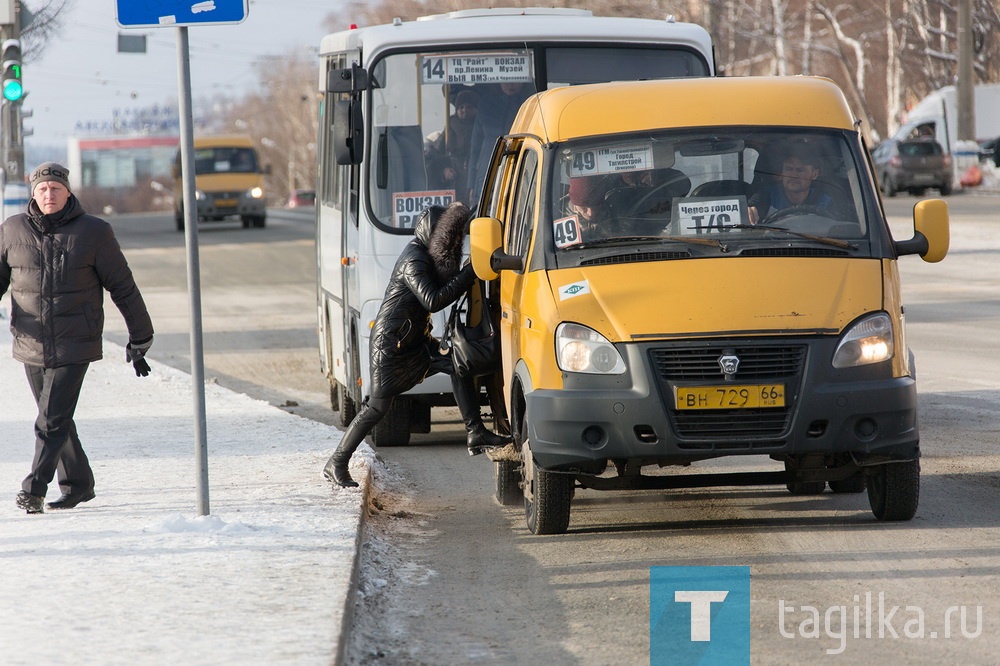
[(425, 279)]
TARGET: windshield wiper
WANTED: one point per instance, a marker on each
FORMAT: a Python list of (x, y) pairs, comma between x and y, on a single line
[(836, 242), (650, 239)]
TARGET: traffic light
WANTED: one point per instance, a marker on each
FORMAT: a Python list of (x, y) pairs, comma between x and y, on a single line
[(13, 90)]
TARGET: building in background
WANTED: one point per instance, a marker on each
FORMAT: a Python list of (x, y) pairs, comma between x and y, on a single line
[(120, 162)]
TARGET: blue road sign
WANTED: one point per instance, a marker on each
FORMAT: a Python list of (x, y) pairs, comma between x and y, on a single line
[(178, 13)]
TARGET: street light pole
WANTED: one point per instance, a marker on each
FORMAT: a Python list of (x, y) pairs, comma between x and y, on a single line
[(966, 88)]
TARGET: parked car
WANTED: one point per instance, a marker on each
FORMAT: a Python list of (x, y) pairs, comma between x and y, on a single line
[(989, 151), (300, 198), (913, 165)]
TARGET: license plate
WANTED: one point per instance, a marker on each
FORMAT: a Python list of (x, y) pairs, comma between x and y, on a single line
[(730, 396), (225, 203)]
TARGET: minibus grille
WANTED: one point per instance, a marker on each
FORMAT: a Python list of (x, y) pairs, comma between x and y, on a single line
[(731, 425), (636, 258), (758, 363), (794, 252), (702, 363)]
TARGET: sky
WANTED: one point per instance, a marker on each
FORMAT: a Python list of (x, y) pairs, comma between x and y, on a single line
[(81, 77), (136, 576)]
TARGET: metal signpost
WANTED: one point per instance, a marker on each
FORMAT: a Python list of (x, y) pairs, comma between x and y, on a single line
[(180, 14)]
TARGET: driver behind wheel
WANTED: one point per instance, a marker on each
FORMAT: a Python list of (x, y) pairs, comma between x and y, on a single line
[(795, 186)]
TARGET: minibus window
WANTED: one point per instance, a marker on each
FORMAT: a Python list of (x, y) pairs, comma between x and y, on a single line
[(523, 221)]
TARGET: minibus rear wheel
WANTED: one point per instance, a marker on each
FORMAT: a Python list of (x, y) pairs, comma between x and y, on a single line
[(508, 482)]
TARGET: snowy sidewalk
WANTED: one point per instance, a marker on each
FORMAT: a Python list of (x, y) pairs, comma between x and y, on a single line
[(135, 576)]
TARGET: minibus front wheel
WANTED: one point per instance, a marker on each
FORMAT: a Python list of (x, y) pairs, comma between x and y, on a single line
[(894, 490), (547, 497)]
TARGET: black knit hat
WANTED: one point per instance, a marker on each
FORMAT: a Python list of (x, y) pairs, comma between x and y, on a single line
[(50, 171)]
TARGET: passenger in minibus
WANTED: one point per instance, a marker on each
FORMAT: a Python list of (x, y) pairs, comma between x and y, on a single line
[(586, 199), (448, 153), (795, 186)]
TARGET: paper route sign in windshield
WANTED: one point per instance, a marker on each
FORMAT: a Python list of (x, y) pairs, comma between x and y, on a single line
[(612, 159), (702, 215), (492, 67)]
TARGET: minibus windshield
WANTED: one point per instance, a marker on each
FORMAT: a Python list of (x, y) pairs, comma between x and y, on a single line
[(710, 187), (225, 159)]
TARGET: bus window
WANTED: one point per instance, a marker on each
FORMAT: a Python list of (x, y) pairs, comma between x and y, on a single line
[(413, 97), (598, 64)]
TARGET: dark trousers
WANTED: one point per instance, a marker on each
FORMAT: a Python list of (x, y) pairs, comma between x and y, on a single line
[(57, 447)]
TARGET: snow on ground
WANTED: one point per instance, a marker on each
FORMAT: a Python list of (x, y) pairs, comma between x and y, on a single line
[(136, 576)]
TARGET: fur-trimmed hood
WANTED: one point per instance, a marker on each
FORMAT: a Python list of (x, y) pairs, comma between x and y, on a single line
[(445, 246)]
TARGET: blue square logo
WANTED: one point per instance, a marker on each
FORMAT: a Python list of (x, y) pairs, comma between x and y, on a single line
[(699, 615)]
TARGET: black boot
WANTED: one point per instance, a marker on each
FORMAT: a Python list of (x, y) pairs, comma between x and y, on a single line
[(479, 438), (336, 467)]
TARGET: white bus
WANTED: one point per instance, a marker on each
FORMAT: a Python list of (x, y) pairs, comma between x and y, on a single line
[(388, 94)]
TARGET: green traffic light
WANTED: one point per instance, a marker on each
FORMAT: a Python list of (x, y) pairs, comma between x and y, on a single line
[(13, 90)]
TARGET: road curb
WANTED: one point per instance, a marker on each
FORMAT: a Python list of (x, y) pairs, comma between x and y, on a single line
[(347, 617)]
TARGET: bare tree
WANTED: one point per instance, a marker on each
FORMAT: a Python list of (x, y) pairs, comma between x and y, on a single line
[(46, 22), (282, 117), (886, 55)]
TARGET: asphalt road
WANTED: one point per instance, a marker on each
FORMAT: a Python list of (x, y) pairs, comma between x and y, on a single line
[(453, 578)]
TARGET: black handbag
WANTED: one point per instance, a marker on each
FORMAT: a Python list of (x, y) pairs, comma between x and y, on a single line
[(475, 350)]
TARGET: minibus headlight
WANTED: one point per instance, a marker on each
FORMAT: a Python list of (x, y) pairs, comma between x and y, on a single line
[(582, 349), (256, 192), (866, 341)]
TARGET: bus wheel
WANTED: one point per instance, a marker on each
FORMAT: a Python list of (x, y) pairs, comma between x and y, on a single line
[(508, 482), (347, 402), (894, 490), (547, 497), (394, 428), (342, 404)]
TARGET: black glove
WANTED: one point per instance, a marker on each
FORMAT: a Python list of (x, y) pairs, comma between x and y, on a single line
[(135, 353)]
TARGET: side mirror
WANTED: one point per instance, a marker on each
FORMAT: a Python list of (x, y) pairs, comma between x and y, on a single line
[(931, 236), (351, 80), (267, 170), (485, 240), (348, 132)]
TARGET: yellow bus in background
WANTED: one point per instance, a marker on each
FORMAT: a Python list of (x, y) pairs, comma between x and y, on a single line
[(229, 181)]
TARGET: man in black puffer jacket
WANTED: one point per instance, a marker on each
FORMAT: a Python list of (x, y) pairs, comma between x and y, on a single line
[(57, 262), (425, 279)]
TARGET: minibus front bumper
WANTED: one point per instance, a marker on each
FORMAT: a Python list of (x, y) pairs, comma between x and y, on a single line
[(862, 411)]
